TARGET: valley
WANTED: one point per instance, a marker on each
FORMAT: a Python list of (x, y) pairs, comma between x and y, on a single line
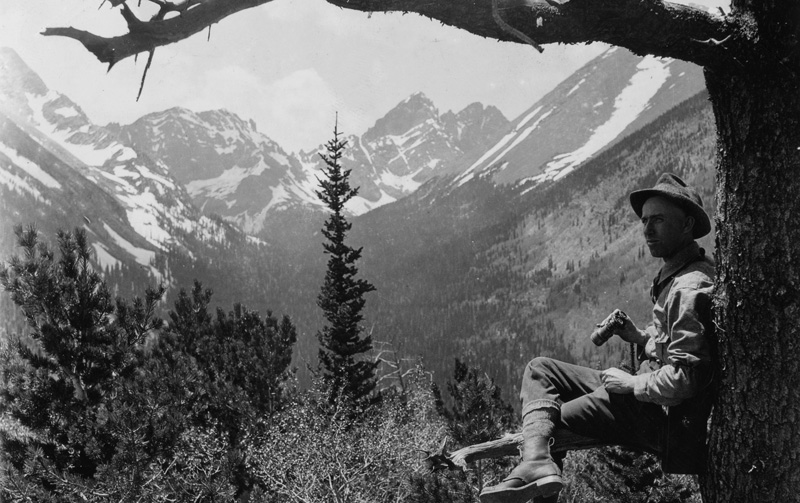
[(489, 240)]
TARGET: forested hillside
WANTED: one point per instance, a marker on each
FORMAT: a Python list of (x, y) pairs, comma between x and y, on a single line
[(500, 274)]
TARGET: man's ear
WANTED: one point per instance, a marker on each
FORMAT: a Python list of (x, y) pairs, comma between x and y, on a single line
[(689, 225)]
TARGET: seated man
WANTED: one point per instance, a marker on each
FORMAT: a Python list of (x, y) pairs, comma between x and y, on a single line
[(665, 407)]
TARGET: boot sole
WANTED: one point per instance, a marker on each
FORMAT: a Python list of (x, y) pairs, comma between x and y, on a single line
[(545, 486)]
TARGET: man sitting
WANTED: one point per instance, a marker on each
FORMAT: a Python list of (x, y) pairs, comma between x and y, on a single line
[(665, 407)]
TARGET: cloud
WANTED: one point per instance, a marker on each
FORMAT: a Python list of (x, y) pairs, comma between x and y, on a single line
[(297, 110)]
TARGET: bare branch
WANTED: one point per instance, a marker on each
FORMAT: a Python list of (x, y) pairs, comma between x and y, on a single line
[(144, 75), (643, 26), (144, 36)]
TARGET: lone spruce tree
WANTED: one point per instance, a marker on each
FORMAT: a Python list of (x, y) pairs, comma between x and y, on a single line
[(341, 297)]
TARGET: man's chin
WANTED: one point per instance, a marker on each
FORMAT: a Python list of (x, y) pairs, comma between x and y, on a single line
[(655, 252)]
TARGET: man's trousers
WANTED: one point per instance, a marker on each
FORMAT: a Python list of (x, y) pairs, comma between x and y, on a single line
[(588, 409)]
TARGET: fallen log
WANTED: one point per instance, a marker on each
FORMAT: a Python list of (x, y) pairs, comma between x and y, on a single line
[(508, 445)]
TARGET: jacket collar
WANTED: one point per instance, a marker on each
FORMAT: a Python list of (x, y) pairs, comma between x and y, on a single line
[(685, 255)]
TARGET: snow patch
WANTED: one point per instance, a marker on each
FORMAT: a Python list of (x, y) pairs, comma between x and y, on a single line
[(280, 158), (226, 150), (66, 112), (521, 137), (577, 86), (609, 52), (104, 257), (359, 205), (405, 183), (18, 184), (87, 154), (123, 172), (158, 178), (126, 154), (467, 174), (279, 195), (366, 153), (224, 184), (29, 167), (142, 256), (630, 103), (141, 211)]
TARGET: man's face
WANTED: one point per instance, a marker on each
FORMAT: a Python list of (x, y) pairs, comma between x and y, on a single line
[(666, 227)]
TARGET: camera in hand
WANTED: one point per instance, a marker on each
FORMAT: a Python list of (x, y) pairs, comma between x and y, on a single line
[(606, 329)]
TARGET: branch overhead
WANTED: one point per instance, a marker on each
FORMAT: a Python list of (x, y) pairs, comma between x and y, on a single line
[(192, 17), (643, 26)]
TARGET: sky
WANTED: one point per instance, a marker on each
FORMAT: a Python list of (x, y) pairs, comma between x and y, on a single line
[(290, 65)]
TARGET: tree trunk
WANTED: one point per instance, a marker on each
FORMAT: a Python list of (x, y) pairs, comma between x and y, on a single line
[(755, 437)]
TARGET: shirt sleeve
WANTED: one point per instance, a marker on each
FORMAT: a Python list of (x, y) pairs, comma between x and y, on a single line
[(648, 351), (685, 350)]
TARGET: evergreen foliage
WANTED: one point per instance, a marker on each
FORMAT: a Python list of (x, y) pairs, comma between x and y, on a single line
[(81, 345), (342, 294), (625, 476), (244, 359), (478, 412), (99, 404)]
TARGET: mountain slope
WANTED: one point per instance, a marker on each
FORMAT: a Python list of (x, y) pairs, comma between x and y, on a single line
[(500, 273), (608, 99), (232, 170), (227, 166), (58, 170), (481, 261)]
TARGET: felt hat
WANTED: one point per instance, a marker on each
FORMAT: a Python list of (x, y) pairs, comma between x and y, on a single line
[(673, 188)]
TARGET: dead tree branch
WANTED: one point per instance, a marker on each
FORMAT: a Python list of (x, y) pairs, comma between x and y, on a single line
[(145, 36), (643, 26), (441, 458)]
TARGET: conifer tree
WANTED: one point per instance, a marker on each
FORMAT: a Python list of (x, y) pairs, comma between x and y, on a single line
[(81, 345), (341, 298), (478, 413)]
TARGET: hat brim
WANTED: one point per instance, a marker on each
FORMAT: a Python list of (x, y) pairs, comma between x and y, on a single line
[(702, 223)]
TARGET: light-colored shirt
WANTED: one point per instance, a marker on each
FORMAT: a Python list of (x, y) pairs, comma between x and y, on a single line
[(682, 332)]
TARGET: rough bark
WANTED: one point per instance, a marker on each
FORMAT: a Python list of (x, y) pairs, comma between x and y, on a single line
[(755, 439), (643, 26)]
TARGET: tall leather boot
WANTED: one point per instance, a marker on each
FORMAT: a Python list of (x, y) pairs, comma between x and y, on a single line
[(537, 475)]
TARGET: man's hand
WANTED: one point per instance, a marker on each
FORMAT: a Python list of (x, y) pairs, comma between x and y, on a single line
[(617, 381), (630, 333)]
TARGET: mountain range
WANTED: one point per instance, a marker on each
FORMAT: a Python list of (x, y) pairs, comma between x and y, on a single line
[(487, 239)]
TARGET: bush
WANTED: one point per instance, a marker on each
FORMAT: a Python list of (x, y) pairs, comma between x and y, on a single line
[(312, 451), (620, 475)]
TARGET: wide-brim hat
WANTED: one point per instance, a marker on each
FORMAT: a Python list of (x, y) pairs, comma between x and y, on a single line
[(673, 188)]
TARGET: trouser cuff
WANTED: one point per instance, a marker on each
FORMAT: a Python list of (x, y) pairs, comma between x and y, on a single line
[(539, 404)]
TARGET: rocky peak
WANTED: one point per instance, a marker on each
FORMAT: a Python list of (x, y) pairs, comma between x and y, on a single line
[(472, 127), (411, 112)]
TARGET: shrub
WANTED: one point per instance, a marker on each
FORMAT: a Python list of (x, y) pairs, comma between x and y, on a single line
[(314, 451)]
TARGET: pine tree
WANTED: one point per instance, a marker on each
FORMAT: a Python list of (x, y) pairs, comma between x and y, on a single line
[(341, 297), (59, 378), (479, 413), (245, 358), (104, 402)]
